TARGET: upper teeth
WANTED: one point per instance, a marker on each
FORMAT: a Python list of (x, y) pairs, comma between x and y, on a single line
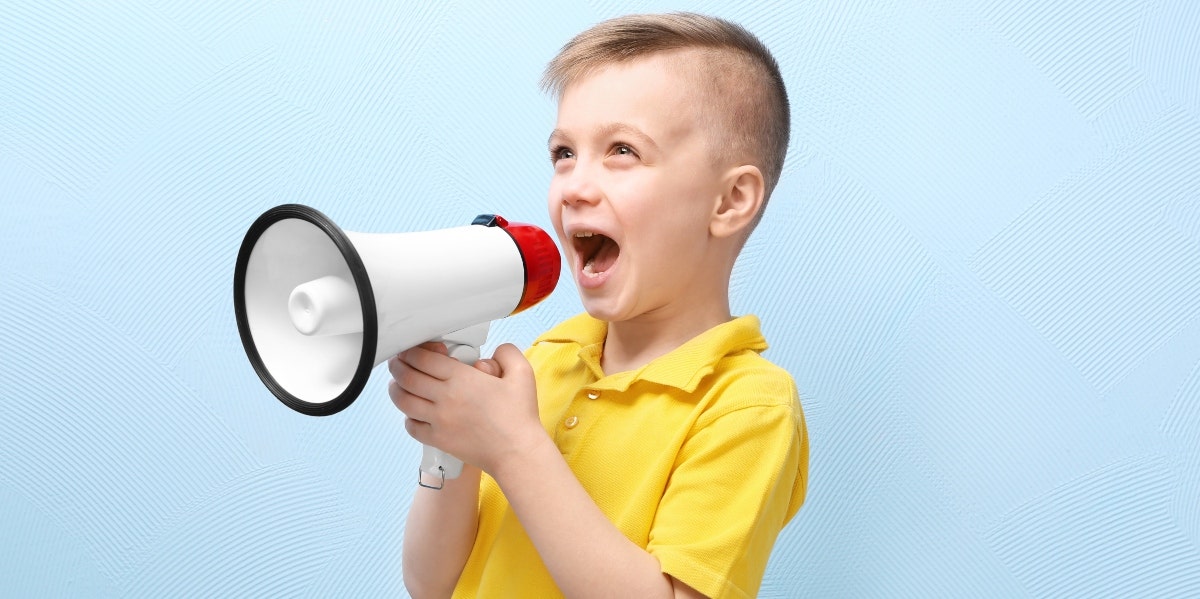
[(584, 234)]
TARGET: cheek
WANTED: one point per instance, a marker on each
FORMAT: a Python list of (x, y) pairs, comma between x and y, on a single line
[(553, 195), (554, 207)]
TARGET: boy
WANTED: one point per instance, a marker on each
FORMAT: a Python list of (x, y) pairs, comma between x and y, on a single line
[(643, 449)]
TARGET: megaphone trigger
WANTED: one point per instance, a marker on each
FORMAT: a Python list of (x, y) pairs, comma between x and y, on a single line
[(472, 336)]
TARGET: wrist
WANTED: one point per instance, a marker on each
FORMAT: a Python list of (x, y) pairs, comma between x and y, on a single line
[(523, 453)]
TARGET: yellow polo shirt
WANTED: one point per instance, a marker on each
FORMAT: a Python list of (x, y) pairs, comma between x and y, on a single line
[(700, 457)]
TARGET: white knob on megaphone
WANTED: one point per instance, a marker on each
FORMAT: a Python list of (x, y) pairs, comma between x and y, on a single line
[(325, 306)]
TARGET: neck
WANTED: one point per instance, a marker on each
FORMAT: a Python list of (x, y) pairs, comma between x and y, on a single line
[(631, 344), (702, 305)]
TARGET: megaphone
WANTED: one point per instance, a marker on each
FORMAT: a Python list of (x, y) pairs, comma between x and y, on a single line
[(318, 307)]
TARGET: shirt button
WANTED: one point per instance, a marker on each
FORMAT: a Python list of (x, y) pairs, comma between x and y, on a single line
[(593, 394), (571, 422)]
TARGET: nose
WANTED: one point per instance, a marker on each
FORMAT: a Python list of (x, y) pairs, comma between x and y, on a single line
[(579, 187)]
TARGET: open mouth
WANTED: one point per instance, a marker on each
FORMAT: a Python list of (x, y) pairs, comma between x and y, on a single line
[(597, 252)]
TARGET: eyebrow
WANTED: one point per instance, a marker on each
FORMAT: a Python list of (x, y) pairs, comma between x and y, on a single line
[(609, 130)]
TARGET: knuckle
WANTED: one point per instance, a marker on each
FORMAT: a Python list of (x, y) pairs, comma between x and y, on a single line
[(404, 402), (406, 379)]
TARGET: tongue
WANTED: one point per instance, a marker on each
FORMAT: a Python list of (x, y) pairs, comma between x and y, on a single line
[(604, 258)]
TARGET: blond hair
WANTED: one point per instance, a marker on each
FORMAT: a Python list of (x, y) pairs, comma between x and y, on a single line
[(743, 78)]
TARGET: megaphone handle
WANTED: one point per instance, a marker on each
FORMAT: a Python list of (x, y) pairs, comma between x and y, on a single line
[(462, 345)]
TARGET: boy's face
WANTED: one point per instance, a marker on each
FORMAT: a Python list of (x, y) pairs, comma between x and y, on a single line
[(633, 190)]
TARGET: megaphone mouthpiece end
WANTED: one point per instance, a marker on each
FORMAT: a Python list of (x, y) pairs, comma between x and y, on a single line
[(303, 313), (325, 306)]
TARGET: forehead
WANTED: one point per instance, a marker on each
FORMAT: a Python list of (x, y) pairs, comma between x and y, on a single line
[(658, 93)]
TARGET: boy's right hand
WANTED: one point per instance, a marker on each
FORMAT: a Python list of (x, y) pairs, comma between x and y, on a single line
[(483, 414)]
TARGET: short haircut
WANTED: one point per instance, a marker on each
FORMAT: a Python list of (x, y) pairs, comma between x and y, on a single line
[(742, 75)]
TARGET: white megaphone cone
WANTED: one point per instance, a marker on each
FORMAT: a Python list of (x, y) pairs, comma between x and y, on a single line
[(318, 307)]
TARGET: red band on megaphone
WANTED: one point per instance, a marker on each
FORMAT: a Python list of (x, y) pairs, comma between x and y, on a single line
[(541, 258)]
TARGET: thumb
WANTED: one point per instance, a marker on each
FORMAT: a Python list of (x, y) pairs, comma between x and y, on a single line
[(511, 360), (489, 366)]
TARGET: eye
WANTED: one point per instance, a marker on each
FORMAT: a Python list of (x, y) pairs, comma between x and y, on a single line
[(560, 153), (623, 154), (623, 150)]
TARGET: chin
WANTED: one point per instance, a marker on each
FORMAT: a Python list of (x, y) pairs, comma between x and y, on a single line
[(598, 313), (602, 310), (610, 313)]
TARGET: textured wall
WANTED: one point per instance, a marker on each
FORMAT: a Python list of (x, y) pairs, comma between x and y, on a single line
[(982, 266)]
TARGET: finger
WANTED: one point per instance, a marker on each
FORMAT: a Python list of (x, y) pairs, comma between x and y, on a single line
[(432, 346), (396, 394), (414, 381), (395, 366), (432, 362), (421, 431), (435, 346), (416, 408)]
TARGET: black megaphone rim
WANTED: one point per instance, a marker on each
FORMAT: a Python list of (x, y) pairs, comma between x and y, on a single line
[(366, 296)]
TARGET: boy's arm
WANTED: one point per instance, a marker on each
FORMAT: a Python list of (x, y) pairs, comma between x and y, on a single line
[(440, 530), (439, 535)]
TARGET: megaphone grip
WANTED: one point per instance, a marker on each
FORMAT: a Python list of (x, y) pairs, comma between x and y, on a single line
[(434, 461)]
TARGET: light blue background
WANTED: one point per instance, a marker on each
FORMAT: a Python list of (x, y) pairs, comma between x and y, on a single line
[(982, 266)]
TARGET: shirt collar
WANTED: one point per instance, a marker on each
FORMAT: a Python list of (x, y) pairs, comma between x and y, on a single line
[(683, 368)]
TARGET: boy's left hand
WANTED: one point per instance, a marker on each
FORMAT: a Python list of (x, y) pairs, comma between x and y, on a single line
[(485, 415)]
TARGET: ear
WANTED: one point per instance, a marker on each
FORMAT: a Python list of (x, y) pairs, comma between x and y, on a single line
[(739, 203)]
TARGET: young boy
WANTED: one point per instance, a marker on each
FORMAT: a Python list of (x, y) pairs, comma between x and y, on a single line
[(644, 449)]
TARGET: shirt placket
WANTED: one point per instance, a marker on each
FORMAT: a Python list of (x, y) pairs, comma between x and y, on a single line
[(579, 416)]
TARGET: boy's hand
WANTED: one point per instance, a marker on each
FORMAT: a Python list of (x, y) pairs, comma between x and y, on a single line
[(484, 415)]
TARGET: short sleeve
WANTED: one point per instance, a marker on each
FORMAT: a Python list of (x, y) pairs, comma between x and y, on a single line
[(737, 481)]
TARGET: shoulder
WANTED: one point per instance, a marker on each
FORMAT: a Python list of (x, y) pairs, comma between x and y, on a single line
[(747, 379), (748, 395)]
